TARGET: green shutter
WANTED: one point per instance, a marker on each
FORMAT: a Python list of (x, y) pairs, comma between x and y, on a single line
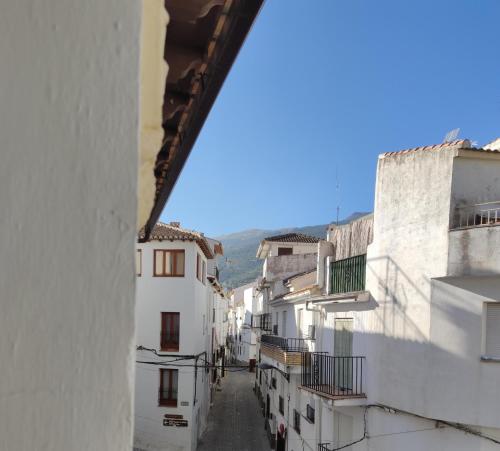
[(348, 274)]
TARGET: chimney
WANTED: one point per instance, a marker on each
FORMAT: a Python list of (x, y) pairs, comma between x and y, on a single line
[(175, 224)]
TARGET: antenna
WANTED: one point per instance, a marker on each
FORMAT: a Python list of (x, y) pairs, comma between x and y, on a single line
[(451, 135), (337, 187)]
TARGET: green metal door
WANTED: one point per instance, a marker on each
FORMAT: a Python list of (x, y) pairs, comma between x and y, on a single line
[(342, 348)]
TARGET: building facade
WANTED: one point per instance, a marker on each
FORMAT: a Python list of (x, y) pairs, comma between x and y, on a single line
[(403, 317), (179, 334)]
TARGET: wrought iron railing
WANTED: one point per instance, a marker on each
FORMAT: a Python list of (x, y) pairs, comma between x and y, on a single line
[(262, 322), (348, 275), (324, 447), (477, 215), (334, 376), (287, 344)]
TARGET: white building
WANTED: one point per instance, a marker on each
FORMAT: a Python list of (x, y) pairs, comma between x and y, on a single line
[(290, 262), (243, 301), (178, 321), (407, 316), (83, 87)]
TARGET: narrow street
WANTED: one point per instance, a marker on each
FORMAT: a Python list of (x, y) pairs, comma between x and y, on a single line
[(235, 421)]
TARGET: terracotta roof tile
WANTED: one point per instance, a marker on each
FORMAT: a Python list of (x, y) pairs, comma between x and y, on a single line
[(169, 232), (292, 238), (460, 143)]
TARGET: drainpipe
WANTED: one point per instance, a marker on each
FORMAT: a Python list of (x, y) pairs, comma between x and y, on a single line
[(318, 429)]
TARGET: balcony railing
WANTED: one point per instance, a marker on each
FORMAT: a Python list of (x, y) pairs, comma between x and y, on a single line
[(333, 376), (324, 447), (477, 215), (287, 344), (348, 275), (262, 322)]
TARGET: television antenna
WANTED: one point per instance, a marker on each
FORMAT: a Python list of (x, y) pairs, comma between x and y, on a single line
[(452, 135), (337, 188)]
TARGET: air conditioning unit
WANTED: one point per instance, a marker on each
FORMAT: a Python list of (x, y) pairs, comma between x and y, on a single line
[(312, 332)]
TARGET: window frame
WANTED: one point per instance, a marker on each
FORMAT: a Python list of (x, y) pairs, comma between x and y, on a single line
[(310, 413), (174, 253), (138, 254), (198, 266), (485, 354), (285, 250), (281, 405), (165, 346), (296, 421), (169, 401)]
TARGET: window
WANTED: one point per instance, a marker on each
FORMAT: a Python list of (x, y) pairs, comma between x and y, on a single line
[(198, 267), (285, 251), (213, 315), (260, 377), (282, 405), (492, 335), (169, 331), (310, 413), (168, 263), (168, 387), (273, 382), (138, 262), (296, 421), (203, 272), (283, 323)]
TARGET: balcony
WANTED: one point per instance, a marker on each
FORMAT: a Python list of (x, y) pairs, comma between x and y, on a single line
[(332, 377), (477, 215), (262, 322), (287, 351), (348, 275)]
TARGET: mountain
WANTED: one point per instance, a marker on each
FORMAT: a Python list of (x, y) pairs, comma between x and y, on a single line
[(239, 265)]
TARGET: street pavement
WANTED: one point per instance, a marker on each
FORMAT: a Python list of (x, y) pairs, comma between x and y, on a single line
[(235, 421)]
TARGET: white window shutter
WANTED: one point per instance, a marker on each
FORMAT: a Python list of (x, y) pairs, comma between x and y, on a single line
[(493, 330)]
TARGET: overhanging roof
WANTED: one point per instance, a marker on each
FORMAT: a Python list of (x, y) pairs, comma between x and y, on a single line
[(203, 41)]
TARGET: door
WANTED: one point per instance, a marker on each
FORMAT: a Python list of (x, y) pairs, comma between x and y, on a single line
[(342, 350), (280, 441), (300, 322)]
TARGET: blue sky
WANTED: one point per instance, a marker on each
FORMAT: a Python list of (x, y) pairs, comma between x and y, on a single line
[(322, 87)]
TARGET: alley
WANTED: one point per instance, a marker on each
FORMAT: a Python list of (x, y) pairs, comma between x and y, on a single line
[(235, 421)]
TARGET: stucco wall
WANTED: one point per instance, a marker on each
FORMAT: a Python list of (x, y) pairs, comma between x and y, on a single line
[(193, 300), (69, 139), (285, 266), (410, 246)]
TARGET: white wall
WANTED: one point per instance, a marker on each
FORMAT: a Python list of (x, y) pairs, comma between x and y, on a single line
[(69, 139), (193, 300)]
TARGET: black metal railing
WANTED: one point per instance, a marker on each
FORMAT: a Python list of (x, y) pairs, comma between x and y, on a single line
[(287, 344), (262, 322), (335, 376), (348, 275), (324, 447)]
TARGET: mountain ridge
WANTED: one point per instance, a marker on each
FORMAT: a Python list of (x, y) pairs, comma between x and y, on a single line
[(239, 265)]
